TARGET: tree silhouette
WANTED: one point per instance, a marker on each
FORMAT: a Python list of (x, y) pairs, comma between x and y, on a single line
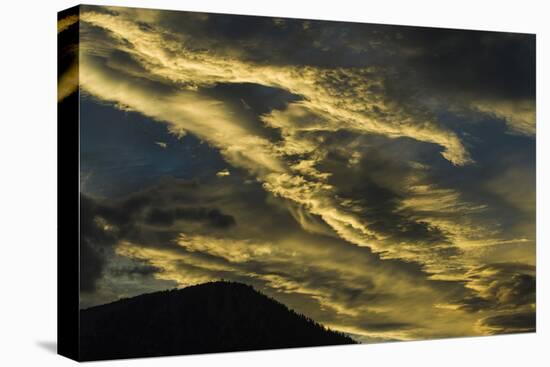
[(207, 318)]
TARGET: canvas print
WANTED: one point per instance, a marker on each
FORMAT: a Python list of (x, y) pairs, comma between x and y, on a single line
[(252, 183)]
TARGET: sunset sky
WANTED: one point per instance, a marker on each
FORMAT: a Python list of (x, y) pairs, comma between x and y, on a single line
[(378, 179)]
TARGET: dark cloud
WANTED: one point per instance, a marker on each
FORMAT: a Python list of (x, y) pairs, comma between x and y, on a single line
[(524, 322), (473, 62), (154, 207), (376, 183), (91, 266), (501, 287), (457, 62), (276, 41), (510, 284), (213, 217), (475, 303), (94, 243), (104, 223), (138, 269)]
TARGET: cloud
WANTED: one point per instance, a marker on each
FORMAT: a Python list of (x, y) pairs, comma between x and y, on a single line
[(392, 230), (341, 285), (104, 225), (338, 97), (223, 173), (68, 83), (214, 218), (520, 115), (184, 111), (300, 182), (510, 323), (505, 285), (66, 22), (488, 72), (95, 240), (139, 269), (504, 297), (320, 88), (67, 55)]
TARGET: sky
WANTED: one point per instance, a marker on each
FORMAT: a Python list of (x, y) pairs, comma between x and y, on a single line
[(379, 179)]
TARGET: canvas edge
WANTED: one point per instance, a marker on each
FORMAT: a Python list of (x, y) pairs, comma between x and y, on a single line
[(68, 193)]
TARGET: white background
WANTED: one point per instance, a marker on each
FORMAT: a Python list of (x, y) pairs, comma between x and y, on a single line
[(28, 182)]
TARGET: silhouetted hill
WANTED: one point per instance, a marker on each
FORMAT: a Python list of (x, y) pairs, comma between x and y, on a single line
[(206, 318)]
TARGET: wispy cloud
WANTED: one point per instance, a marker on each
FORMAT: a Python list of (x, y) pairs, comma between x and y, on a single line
[(380, 240)]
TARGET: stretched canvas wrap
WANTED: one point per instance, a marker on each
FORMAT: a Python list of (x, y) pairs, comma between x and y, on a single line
[(252, 183)]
